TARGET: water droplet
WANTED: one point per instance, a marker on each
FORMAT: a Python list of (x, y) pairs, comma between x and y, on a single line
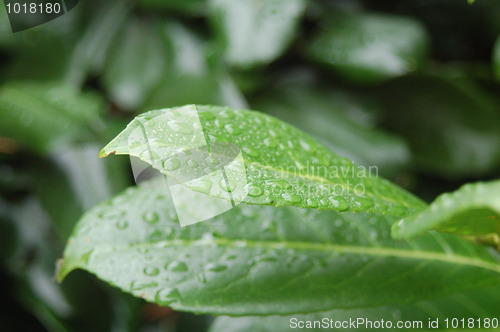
[(291, 198), (151, 217), (156, 236), (86, 256), (227, 185), (271, 142), (255, 191), (227, 114), (364, 203), (180, 127), (151, 271), (219, 124), (171, 164), (193, 163), (312, 203), (167, 295), (232, 129), (272, 133), (250, 151), (121, 224), (141, 284), (397, 210), (112, 214), (339, 203), (382, 207), (177, 267), (216, 267), (201, 185), (208, 236), (305, 145), (279, 184)]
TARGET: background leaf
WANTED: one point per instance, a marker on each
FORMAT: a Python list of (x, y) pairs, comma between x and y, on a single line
[(41, 116), (472, 210), (326, 115), (135, 63), (496, 58), (370, 48), (255, 32), (451, 125)]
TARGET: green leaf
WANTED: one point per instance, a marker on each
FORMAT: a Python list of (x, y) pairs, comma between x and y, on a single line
[(471, 305), (472, 210), (255, 32), (89, 54), (188, 78), (496, 58), (451, 125), (258, 260), (370, 48), (323, 115), (137, 60), (283, 166), (42, 116), (74, 181)]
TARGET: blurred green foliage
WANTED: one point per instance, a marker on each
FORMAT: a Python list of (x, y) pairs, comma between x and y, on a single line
[(409, 86)]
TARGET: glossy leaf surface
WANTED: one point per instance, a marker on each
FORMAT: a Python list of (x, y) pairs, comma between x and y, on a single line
[(472, 210), (284, 166), (262, 260), (473, 305)]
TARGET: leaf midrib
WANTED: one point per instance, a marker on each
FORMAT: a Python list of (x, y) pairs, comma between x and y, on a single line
[(325, 247)]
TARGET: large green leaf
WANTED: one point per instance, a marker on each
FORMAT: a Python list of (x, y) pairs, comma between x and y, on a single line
[(284, 166), (42, 116), (478, 306), (262, 260), (370, 47), (451, 125), (255, 31), (472, 210)]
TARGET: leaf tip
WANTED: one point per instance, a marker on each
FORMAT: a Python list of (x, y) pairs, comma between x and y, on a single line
[(62, 270), (104, 154)]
